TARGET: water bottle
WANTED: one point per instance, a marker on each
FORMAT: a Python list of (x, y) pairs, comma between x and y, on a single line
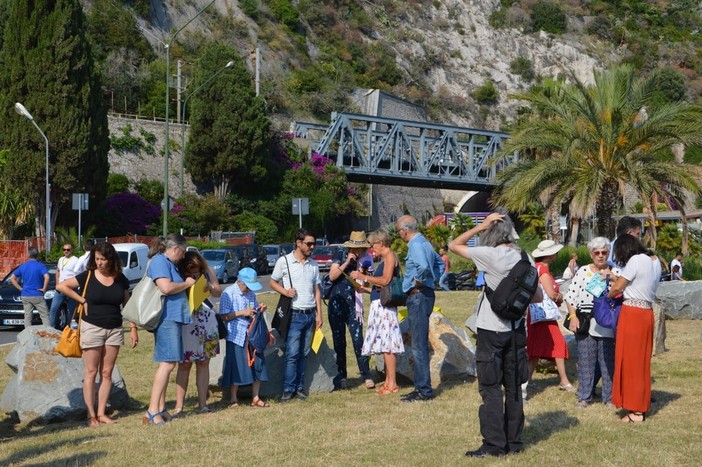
[(74, 324)]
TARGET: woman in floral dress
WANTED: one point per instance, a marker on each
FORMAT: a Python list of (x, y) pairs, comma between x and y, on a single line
[(200, 337), (383, 334)]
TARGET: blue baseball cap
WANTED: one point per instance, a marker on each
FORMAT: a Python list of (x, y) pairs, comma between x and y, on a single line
[(249, 277)]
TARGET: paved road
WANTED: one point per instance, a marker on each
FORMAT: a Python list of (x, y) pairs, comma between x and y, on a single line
[(8, 334)]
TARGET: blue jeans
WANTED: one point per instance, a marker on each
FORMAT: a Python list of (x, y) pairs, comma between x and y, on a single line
[(342, 314), (56, 302), (419, 307), (443, 281), (297, 346)]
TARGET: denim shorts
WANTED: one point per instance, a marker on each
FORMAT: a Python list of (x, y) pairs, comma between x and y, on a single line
[(168, 342)]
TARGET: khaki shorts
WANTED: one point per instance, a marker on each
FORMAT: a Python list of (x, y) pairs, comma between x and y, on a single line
[(92, 336)]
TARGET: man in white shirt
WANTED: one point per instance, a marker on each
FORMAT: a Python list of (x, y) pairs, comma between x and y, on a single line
[(65, 269), (82, 264), (677, 262)]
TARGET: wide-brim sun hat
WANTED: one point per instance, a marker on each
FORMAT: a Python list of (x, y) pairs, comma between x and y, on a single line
[(546, 248), (357, 239), (249, 277)]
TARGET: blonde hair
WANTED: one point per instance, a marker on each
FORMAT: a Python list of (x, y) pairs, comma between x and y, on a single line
[(379, 236)]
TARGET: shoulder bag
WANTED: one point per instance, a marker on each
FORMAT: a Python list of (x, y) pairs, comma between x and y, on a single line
[(145, 306), (392, 294), (606, 310), (283, 310), (69, 343), (546, 310)]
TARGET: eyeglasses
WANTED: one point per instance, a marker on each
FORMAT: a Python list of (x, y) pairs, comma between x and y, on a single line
[(68, 249), (309, 244), (600, 253)]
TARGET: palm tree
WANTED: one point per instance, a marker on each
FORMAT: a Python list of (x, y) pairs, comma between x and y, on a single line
[(594, 142)]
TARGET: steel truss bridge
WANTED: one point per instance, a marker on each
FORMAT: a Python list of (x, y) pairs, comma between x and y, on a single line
[(408, 153)]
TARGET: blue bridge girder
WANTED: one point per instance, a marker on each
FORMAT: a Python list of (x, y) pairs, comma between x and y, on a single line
[(408, 153)]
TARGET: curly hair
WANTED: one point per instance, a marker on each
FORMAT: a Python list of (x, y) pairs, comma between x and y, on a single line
[(107, 251)]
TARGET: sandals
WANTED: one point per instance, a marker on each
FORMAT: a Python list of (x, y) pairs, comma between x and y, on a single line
[(257, 402), (370, 384), (149, 419), (105, 420), (93, 422), (627, 418), (385, 390), (233, 404), (178, 412), (567, 387)]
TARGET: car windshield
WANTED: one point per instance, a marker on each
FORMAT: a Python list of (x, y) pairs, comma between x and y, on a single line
[(211, 255), (51, 268), (323, 250), (123, 258), (286, 247), (271, 250)]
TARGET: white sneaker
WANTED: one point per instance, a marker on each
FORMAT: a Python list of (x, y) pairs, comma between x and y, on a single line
[(524, 390)]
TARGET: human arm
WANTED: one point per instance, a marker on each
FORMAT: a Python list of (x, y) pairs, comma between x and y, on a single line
[(617, 287), (458, 244), (277, 276), (212, 283), (337, 269), (574, 322), (318, 303), (389, 263), (549, 287), (169, 287), (133, 334), (15, 284), (45, 287)]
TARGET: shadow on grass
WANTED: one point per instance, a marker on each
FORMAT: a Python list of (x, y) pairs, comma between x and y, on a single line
[(542, 426), (661, 399), (21, 457)]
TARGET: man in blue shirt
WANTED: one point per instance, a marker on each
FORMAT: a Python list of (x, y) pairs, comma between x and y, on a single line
[(423, 268), (35, 281)]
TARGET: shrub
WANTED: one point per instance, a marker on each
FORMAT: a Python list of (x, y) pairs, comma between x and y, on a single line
[(486, 94), (601, 27), (126, 213), (285, 12), (266, 231), (547, 16), (249, 7), (150, 190), (117, 183), (522, 66)]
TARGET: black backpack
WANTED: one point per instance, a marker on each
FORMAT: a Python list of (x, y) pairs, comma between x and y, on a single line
[(512, 296)]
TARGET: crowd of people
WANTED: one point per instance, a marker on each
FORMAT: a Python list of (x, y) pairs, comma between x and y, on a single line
[(506, 354)]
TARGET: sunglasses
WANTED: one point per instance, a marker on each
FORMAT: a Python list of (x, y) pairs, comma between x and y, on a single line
[(600, 253), (68, 249), (309, 244)]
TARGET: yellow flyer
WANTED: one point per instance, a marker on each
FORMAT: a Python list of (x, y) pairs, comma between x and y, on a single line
[(354, 283), (198, 294), (317, 340)]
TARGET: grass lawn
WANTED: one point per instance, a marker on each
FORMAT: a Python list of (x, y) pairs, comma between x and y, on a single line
[(356, 427)]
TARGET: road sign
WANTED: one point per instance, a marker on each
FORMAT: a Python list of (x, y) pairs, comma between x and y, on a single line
[(80, 201), (300, 206)]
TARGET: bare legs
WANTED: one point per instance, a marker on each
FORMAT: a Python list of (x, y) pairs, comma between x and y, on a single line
[(202, 379), (100, 359), (560, 367), (157, 402), (390, 370)]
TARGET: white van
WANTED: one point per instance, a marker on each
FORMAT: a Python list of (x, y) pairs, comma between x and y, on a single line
[(134, 257)]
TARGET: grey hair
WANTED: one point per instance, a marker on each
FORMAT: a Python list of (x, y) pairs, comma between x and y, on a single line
[(32, 252), (598, 243), (161, 244), (407, 222), (381, 236), (499, 232)]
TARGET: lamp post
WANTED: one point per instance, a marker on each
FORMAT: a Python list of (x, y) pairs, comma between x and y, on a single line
[(168, 86), (22, 110), (182, 121)]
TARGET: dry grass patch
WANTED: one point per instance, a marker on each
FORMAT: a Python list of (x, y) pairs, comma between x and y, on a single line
[(356, 427)]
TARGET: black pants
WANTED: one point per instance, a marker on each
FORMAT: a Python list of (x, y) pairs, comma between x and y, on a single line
[(501, 414)]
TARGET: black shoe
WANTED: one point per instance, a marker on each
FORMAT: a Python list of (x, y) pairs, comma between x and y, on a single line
[(415, 396), (287, 397), (481, 452), (301, 395)]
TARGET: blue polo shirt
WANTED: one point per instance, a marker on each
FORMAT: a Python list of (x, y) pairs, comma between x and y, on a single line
[(175, 306), (32, 275)]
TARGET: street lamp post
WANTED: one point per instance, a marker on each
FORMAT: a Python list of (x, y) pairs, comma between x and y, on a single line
[(20, 109), (168, 86), (182, 121)]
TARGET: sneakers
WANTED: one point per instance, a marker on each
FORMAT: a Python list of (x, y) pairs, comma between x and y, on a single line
[(287, 397), (567, 387), (300, 394), (582, 405), (415, 396)]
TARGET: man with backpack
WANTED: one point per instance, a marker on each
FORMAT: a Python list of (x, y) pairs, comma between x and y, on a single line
[(511, 282)]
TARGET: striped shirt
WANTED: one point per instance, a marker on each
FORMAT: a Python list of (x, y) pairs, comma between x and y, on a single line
[(305, 278), (233, 299)]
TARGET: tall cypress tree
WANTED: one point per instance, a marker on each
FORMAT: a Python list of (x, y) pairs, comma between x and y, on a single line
[(46, 63)]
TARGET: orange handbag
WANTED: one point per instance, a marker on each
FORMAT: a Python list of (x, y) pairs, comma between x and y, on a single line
[(69, 343)]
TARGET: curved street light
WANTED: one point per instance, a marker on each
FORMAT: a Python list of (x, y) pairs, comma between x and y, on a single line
[(22, 110), (168, 87), (182, 121)]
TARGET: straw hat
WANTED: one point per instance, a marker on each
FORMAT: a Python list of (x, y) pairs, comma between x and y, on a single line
[(546, 248), (357, 240)]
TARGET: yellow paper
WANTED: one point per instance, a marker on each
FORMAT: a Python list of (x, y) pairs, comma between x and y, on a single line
[(317, 340), (401, 314), (198, 294), (354, 283)]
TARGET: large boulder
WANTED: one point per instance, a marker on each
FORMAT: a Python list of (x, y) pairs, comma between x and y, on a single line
[(680, 300), (46, 385), (319, 375), (451, 352)]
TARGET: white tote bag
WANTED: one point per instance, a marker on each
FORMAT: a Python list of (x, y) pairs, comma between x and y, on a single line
[(145, 306), (546, 310)]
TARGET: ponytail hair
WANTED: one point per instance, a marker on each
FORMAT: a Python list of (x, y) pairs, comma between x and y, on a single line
[(160, 245)]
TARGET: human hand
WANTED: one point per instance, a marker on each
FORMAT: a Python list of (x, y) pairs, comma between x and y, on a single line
[(318, 321), (355, 274), (493, 217), (574, 324), (262, 307), (291, 292), (351, 257), (134, 337), (189, 281)]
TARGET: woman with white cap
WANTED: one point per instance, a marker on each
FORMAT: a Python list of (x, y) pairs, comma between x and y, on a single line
[(237, 307), (544, 339)]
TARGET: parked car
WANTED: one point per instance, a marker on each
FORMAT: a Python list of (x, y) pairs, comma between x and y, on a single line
[(273, 252), (323, 255), (225, 263), (251, 256), (11, 310), (287, 247), (134, 257)]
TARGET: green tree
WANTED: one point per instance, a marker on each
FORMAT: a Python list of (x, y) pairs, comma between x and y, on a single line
[(46, 63), (15, 208), (587, 143), (266, 230), (230, 132), (547, 16), (117, 183)]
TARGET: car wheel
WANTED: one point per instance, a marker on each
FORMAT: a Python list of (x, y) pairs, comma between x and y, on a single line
[(63, 318), (225, 277)]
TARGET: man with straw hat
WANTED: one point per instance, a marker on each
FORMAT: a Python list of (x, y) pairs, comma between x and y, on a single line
[(346, 306)]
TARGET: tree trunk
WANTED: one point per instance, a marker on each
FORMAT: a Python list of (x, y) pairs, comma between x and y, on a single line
[(554, 221), (574, 231), (221, 189), (684, 246), (652, 216), (605, 225)]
